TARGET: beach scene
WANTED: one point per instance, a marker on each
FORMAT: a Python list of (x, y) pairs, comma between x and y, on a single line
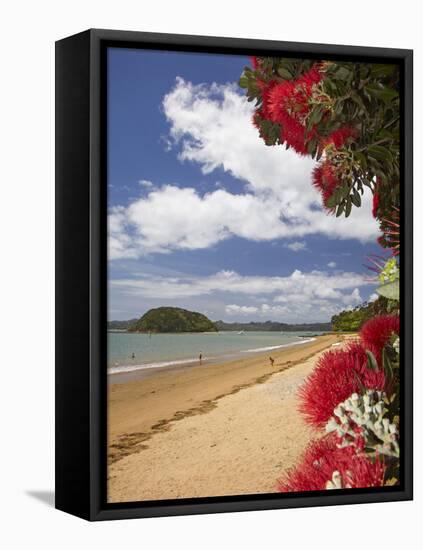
[(253, 276)]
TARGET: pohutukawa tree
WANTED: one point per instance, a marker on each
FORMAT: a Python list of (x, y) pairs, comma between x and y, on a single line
[(343, 114), (346, 116)]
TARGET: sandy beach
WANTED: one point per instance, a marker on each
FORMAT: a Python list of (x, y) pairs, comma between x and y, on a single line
[(210, 430)]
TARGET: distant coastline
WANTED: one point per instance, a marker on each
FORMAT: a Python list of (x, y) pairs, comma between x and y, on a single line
[(222, 326)]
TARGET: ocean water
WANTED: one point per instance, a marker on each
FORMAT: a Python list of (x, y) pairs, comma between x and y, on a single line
[(167, 350)]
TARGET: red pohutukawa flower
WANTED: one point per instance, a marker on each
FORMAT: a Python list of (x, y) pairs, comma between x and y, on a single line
[(376, 198), (339, 137), (287, 103), (375, 206), (376, 333), (254, 62), (265, 89), (323, 461), (325, 181), (337, 375)]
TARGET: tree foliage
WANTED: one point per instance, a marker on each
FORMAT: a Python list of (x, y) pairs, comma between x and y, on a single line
[(345, 115), (173, 319), (352, 320)]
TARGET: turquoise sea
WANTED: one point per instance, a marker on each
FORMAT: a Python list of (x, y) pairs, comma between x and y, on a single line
[(131, 352)]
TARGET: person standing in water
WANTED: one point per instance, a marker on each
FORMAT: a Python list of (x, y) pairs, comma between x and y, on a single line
[(272, 361), (200, 357)]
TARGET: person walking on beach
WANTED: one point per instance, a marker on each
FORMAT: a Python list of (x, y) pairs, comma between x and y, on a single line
[(200, 357), (272, 361)]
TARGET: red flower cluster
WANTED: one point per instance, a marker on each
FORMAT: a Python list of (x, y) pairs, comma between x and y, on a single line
[(338, 137), (337, 375), (322, 458), (376, 333), (325, 181), (287, 104)]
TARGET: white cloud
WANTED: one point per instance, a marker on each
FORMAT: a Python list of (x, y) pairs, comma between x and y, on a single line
[(354, 299), (318, 284), (233, 309), (314, 295), (332, 264), (211, 126), (264, 311), (172, 218), (296, 246), (120, 241), (374, 296)]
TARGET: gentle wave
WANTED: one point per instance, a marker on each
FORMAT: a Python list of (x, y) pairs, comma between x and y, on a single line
[(280, 346), (118, 369), (129, 368)]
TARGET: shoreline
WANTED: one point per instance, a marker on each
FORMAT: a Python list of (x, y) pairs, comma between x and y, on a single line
[(140, 409), (126, 373), (227, 429)]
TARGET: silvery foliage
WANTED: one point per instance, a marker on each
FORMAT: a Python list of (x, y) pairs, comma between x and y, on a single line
[(363, 416)]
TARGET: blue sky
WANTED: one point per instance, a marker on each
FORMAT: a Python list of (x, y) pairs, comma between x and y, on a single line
[(203, 215)]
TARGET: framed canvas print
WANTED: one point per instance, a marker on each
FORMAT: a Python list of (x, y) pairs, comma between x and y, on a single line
[(234, 274)]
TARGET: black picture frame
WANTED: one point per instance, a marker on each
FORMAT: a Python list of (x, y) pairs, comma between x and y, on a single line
[(81, 274)]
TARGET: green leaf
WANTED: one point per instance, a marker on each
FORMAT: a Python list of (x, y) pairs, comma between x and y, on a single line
[(331, 202), (387, 366), (361, 159), (379, 152), (390, 290), (315, 117), (312, 147), (243, 82), (385, 94), (284, 73), (348, 206), (356, 199), (342, 73), (383, 70), (371, 361)]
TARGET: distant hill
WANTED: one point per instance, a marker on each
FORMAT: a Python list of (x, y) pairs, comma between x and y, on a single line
[(172, 319), (162, 316), (120, 325), (274, 326)]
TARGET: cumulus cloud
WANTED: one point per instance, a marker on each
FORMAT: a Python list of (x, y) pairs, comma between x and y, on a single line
[(173, 218), (264, 311), (211, 126), (332, 264), (314, 283), (313, 295), (233, 309)]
